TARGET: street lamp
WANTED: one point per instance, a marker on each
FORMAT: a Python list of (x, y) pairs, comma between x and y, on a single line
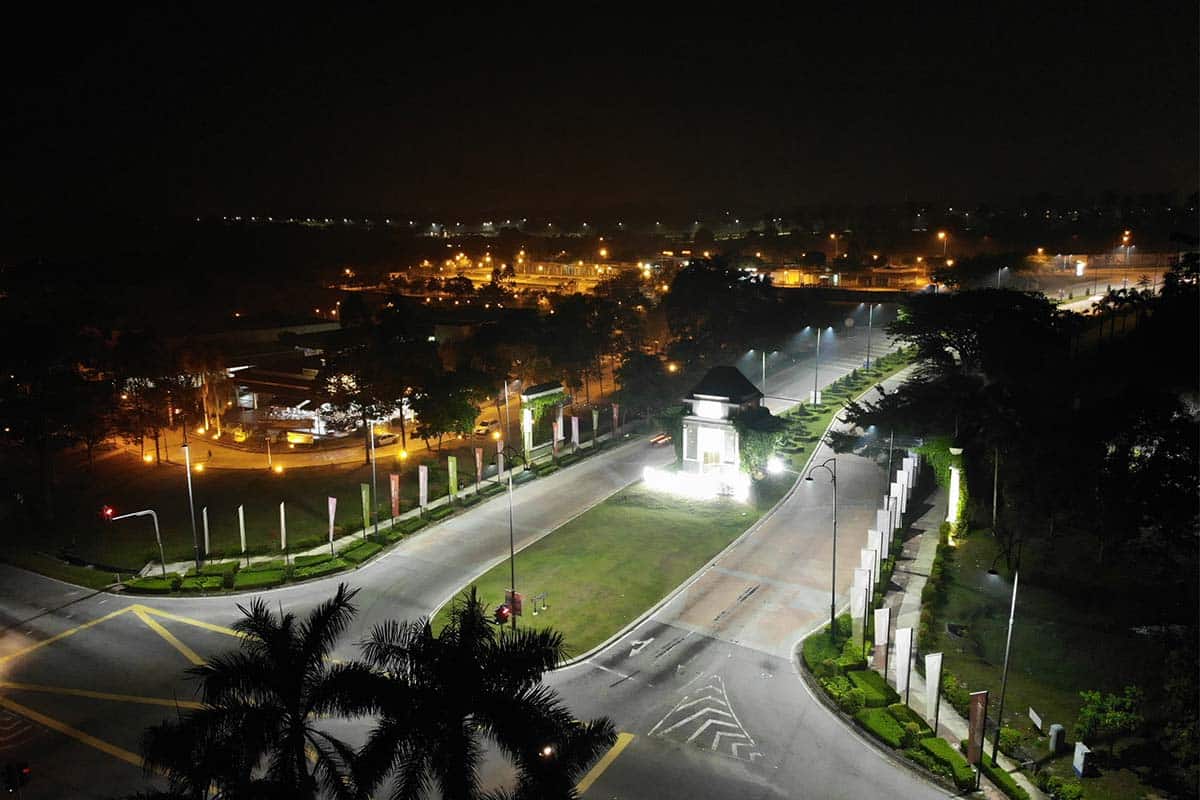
[(816, 395), (870, 322), (1012, 610), (187, 470), (832, 470), (157, 536), (944, 238), (834, 237)]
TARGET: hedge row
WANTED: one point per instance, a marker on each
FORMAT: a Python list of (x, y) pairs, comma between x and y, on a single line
[(259, 579), (320, 569), (952, 763), (876, 692), (361, 552)]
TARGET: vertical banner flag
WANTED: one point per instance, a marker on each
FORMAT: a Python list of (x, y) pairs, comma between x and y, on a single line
[(452, 475), (204, 518), (883, 625), (575, 432), (364, 490), (933, 685), (975, 723), (883, 519), (616, 419), (282, 529), (904, 638), (332, 503), (499, 459), (562, 432), (858, 604), (905, 486), (394, 486), (554, 438), (242, 527), (952, 506), (875, 542), (867, 560), (478, 466), (595, 426), (423, 485)]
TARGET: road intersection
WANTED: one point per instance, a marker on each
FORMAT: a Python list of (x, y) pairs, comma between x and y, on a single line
[(704, 690)]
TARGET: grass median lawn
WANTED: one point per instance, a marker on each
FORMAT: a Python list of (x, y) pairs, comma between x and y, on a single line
[(614, 561), (124, 482)]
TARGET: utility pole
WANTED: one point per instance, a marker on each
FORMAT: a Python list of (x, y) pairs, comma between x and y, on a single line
[(512, 552), (1012, 611)]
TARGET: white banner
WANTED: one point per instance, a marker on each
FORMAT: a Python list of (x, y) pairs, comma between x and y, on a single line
[(875, 542), (883, 624), (933, 684), (883, 519), (242, 527), (858, 601), (904, 641), (282, 529), (575, 431), (332, 503), (423, 484), (204, 517), (867, 559), (905, 487), (910, 466)]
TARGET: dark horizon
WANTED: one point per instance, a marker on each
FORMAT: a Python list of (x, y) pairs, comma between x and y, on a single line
[(612, 112)]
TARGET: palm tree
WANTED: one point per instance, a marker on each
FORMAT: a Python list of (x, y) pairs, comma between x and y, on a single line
[(440, 697), (256, 735)]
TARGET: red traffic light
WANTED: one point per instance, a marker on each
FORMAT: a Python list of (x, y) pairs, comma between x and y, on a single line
[(107, 512), (503, 613)]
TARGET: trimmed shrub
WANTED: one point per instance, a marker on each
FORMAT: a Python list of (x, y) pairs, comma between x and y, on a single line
[(308, 561), (827, 668), (1059, 788), (852, 657), (876, 692), (818, 648), (410, 526), (906, 716), (259, 579), (956, 692), (154, 585), (202, 583), (224, 570), (919, 756), (882, 725), (265, 566), (852, 701), (470, 500), (360, 553), (547, 469), (911, 736), (439, 513), (1003, 781), (317, 570), (958, 768)]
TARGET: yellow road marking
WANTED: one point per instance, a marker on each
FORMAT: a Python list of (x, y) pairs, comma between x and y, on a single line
[(69, 632), (208, 626), (74, 733), (623, 740), (120, 698), (170, 638)]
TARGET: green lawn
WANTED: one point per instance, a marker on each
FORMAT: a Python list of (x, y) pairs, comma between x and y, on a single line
[(127, 484), (607, 566), (1072, 632)]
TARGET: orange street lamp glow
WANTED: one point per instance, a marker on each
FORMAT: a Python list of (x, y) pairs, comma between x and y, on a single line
[(278, 469), (604, 252), (496, 435), (941, 235), (404, 455), (146, 457), (672, 367), (198, 468)]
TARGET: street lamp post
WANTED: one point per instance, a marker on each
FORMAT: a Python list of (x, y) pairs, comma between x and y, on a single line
[(187, 468), (832, 470), (817, 368), (512, 551), (870, 321), (157, 536), (764, 371), (374, 483), (945, 240), (1012, 610)]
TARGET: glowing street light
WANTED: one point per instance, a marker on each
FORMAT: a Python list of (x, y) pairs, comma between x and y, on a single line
[(944, 238)]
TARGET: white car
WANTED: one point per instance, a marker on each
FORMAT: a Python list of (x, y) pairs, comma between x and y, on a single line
[(485, 427)]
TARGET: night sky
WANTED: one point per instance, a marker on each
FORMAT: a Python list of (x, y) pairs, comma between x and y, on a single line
[(592, 109)]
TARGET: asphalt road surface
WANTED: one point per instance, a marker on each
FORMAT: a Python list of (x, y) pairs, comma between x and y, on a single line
[(704, 691)]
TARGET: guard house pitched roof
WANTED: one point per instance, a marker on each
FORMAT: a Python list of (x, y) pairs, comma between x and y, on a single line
[(726, 382)]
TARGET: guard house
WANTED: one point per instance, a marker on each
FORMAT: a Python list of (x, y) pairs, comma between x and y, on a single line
[(710, 442)]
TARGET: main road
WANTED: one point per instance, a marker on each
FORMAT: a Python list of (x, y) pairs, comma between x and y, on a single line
[(704, 690)]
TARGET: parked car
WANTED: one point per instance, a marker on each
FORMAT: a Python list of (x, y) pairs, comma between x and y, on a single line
[(485, 427), (382, 439), (660, 440)]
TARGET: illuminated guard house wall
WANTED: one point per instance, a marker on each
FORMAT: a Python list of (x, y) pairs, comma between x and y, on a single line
[(710, 442)]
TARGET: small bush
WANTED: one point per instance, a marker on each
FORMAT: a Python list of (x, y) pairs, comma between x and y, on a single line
[(1059, 788), (265, 566), (201, 583), (470, 500), (441, 512), (317, 570), (827, 668), (818, 648), (852, 657), (1004, 782), (852, 701), (876, 692), (959, 770), (956, 692), (410, 526), (881, 725), (906, 716), (259, 579), (548, 469), (911, 736), (154, 585), (360, 553), (309, 561), (919, 756)]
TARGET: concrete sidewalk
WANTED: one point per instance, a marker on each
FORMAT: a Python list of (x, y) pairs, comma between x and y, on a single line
[(913, 565)]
